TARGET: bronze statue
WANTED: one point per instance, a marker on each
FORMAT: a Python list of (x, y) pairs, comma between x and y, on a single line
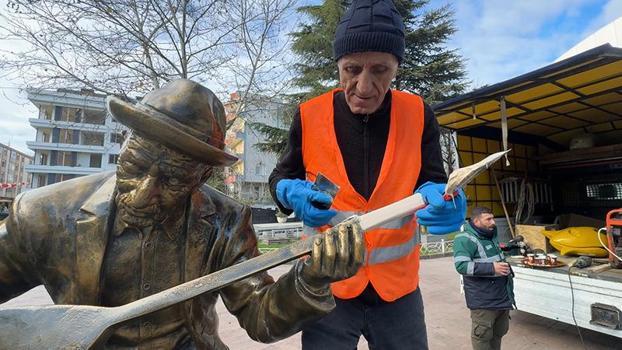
[(112, 238)]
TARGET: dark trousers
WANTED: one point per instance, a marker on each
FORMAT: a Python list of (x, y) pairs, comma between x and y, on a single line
[(396, 325), (488, 327)]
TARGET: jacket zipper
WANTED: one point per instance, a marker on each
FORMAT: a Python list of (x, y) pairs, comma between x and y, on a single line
[(366, 157)]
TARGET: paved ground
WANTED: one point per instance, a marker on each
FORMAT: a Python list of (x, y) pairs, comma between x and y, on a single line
[(447, 320)]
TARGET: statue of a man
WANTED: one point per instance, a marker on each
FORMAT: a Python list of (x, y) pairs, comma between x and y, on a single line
[(112, 238)]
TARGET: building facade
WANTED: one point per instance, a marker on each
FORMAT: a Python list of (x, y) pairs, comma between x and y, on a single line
[(13, 176), (75, 136), (247, 180)]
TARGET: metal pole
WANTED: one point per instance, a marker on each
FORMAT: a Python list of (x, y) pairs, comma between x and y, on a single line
[(505, 211)]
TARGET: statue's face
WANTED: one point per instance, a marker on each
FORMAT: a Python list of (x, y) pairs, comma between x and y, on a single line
[(154, 181)]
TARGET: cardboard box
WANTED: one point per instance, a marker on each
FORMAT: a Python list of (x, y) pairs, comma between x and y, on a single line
[(534, 238)]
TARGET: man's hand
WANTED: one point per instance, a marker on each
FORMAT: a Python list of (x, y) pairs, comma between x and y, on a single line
[(337, 254), (299, 196), (441, 216), (501, 268)]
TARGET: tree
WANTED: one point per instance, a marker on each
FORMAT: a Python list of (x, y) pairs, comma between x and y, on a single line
[(131, 47), (429, 68), (312, 43), (315, 70)]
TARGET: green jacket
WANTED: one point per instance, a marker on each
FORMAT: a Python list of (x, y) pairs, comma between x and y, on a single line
[(474, 256)]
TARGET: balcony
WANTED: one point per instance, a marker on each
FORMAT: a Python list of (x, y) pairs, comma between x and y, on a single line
[(35, 145), (46, 123), (60, 169)]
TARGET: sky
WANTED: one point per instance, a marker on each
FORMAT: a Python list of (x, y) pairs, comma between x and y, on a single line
[(499, 40)]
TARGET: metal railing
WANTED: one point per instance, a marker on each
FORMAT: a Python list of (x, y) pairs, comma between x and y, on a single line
[(442, 248)]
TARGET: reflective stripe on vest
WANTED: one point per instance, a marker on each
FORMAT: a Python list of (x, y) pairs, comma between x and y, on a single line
[(386, 254), (378, 255), (480, 247)]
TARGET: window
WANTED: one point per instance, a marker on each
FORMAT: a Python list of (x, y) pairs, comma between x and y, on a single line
[(45, 135), (116, 138), (65, 177), (92, 116), (66, 136), (41, 180), (71, 114), (63, 159), (605, 191), (92, 138), (113, 159), (259, 168), (45, 112), (96, 161), (43, 159)]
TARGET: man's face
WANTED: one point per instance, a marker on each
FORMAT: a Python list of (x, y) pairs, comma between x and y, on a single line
[(154, 181), (365, 78), (485, 222)]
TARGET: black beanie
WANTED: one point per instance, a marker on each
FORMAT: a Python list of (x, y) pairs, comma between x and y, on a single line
[(370, 25)]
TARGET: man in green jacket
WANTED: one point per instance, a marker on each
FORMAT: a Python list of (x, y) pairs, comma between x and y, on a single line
[(487, 279)]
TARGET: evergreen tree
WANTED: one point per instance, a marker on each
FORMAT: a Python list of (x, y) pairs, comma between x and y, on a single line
[(313, 44), (429, 68)]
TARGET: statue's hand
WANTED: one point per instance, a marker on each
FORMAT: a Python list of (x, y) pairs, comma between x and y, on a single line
[(337, 254)]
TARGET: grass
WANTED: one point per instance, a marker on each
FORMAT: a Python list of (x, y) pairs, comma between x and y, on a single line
[(263, 247)]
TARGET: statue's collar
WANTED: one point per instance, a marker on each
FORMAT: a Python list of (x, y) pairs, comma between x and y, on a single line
[(99, 202)]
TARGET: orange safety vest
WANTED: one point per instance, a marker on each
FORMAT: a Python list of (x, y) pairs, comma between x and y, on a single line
[(392, 261)]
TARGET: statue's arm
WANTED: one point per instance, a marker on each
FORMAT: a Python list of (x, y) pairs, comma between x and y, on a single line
[(17, 275), (267, 310)]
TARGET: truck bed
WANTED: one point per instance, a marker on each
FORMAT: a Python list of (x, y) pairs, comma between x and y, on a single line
[(596, 271), (547, 292)]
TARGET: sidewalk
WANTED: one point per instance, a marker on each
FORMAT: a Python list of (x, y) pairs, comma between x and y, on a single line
[(447, 318)]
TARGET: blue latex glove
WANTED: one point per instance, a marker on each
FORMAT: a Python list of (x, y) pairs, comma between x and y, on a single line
[(441, 216), (297, 195)]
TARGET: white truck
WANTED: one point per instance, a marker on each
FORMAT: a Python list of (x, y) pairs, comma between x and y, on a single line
[(563, 123), (588, 297)]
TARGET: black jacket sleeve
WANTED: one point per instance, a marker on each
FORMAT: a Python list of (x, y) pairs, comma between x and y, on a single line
[(432, 168), (290, 165)]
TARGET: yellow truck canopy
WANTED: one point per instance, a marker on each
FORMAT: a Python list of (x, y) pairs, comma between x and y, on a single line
[(551, 105)]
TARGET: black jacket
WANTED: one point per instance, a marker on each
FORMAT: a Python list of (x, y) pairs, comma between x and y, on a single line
[(362, 141)]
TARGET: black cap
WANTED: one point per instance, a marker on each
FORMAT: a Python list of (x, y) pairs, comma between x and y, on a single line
[(370, 25)]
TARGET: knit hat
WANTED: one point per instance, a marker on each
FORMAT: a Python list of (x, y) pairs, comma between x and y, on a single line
[(370, 25)]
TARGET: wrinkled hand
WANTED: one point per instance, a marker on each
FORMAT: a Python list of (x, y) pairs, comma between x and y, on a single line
[(441, 216), (337, 254), (299, 196), (501, 268)]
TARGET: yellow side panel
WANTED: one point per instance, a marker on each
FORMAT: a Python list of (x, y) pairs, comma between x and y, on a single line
[(483, 178), (470, 192), (479, 145), (493, 146), (519, 150), (497, 209), (521, 164), (467, 158), (483, 193), (464, 143)]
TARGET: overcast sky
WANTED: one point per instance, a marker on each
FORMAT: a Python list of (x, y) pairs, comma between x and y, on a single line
[(500, 40)]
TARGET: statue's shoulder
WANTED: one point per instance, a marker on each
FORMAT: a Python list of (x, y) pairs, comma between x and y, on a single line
[(65, 194), (219, 201)]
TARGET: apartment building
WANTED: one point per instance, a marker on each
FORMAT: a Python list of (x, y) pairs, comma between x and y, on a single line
[(13, 176), (75, 136)]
